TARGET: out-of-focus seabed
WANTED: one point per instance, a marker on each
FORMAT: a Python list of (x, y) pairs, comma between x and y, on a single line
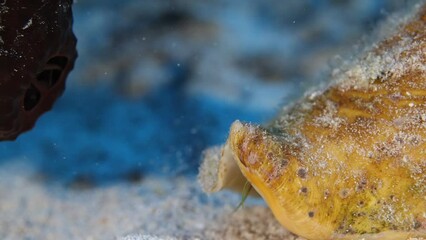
[(156, 82)]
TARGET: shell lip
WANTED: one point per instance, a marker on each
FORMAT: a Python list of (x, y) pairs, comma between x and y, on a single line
[(292, 222), (282, 210)]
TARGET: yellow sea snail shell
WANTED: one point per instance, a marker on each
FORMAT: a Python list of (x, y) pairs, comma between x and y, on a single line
[(348, 161)]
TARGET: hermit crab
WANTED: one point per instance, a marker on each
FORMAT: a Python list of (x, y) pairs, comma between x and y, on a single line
[(347, 161)]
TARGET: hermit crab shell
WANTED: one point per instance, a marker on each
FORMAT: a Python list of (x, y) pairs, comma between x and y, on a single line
[(348, 161)]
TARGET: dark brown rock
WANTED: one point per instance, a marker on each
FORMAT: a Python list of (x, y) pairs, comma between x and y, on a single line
[(37, 51)]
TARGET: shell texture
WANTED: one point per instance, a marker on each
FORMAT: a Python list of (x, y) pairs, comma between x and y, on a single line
[(349, 161)]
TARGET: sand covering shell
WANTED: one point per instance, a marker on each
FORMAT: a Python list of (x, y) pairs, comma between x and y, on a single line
[(349, 160)]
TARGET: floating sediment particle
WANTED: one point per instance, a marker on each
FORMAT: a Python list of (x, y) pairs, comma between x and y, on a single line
[(357, 147)]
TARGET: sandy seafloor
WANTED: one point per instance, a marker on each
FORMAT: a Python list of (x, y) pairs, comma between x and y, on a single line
[(163, 208), (156, 82)]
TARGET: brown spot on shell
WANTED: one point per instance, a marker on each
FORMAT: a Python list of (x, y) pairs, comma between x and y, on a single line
[(344, 193), (361, 185), (284, 163), (326, 194), (270, 156), (417, 225), (302, 172), (359, 214)]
